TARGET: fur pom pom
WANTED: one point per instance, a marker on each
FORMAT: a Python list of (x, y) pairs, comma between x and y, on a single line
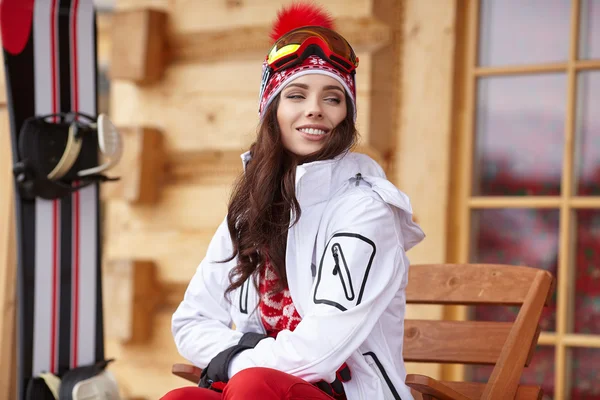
[(297, 15)]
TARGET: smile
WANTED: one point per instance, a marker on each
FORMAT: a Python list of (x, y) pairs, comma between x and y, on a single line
[(312, 131)]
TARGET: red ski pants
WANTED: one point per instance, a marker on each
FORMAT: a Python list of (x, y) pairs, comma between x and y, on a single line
[(254, 383)]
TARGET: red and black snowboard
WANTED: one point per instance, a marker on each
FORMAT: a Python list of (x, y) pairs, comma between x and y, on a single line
[(50, 63)]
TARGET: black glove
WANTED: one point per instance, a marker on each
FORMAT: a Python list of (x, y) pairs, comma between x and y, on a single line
[(335, 389), (216, 375)]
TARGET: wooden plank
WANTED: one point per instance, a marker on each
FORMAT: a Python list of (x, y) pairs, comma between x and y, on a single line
[(465, 390), (470, 284), (218, 122), (180, 208), (213, 167), (143, 370), (366, 34), (8, 264), (475, 390), (433, 389), (435, 341), (176, 254), (208, 106), (190, 16)]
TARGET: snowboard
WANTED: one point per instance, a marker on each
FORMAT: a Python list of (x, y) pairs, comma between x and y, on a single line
[(49, 49)]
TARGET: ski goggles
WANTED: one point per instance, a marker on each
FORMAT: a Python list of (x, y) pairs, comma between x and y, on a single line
[(293, 47)]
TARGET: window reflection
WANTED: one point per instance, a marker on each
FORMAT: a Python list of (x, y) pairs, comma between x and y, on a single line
[(589, 35), (526, 237), (519, 135), (516, 32), (540, 371), (587, 267), (585, 366), (587, 158)]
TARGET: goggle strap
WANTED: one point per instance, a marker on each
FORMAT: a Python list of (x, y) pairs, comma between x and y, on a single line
[(263, 84)]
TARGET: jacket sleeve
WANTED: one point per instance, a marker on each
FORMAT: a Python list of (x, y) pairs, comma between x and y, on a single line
[(201, 325), (349, 294)]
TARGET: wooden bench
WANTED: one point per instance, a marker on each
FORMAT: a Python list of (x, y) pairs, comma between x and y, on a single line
[(508, 346)]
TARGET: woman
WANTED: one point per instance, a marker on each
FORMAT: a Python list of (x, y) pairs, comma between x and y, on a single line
[(309, 265)]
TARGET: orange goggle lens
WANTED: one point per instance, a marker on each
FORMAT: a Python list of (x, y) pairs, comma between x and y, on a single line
[(296, 45)]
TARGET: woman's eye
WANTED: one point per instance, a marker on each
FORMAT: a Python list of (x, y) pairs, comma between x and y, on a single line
[(294, 96), (333, 100)]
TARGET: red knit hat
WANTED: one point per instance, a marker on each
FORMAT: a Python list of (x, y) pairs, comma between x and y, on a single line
[(288, 20)]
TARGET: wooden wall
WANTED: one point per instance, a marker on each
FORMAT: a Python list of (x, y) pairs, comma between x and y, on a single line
[(184, 87)]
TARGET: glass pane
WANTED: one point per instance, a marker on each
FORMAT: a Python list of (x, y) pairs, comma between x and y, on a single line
[(589, 36), (540, 371), (587, 159), (516, 32), (587, 267), (585, 378), (519, 135), (518, 237)]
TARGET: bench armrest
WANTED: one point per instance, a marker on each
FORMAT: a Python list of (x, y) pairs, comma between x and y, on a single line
[(187, 371)]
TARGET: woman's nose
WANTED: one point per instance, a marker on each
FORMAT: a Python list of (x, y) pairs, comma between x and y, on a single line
[(314, 110)]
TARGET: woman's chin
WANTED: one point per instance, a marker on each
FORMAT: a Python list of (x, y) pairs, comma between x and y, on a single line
[(305, 150)]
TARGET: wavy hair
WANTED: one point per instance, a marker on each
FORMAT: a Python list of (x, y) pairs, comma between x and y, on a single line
[(264, 197)]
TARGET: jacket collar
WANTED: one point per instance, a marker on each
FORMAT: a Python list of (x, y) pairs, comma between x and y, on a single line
[(314, 181)]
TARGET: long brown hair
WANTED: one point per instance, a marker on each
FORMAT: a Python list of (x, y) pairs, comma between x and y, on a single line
[(264, 196)]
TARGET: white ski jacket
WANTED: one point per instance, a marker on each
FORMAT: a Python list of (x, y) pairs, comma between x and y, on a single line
[(347, 271)]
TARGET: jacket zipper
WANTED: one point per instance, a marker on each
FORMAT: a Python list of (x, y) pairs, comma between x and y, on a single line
[(384, 376), (244, 290), (343, 273), (244, 298)]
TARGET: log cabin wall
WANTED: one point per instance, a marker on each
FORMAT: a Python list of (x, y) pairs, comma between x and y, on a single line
[(184, 79)]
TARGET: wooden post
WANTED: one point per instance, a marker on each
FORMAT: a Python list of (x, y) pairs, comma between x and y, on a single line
[(138, 45), (141, 168), (131, 293)]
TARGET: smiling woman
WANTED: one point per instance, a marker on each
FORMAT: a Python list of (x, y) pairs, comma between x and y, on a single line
[(310, 109), (309, 264)]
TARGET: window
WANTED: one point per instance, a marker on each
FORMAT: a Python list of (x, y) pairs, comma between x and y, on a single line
[(527, 171)]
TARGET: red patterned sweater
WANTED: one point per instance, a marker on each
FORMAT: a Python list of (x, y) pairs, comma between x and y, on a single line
[(277, 311)]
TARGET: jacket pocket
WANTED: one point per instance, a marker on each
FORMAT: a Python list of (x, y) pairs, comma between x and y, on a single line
[(343, 270), (389, 391)]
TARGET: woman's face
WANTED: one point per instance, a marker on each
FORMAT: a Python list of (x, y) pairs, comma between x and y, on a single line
[(309, 108)]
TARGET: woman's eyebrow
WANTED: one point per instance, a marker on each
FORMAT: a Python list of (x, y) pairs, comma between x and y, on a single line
[(304, 86), (300, 85), (333, 87)]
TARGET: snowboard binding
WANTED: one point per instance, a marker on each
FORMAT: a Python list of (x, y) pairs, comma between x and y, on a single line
[(90, 382), (57, 154)]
